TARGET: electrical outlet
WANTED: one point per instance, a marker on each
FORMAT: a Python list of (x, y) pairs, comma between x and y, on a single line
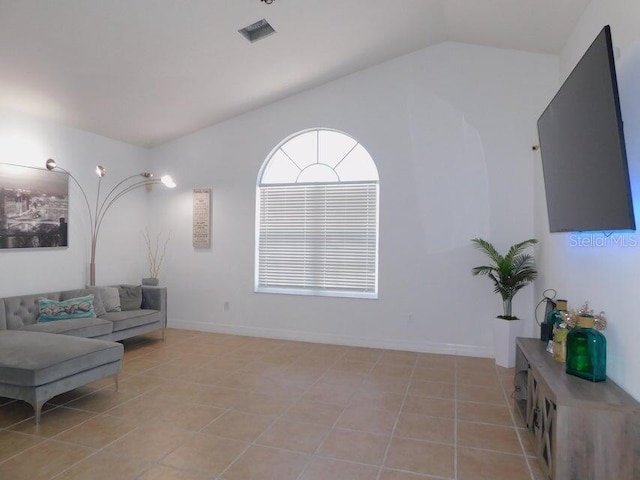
[(410, 319), (227, 306)]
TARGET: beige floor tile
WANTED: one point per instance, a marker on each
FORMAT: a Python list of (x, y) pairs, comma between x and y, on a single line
[(140, 384), (136, 365), (398, 475), (205, 453), (484, 413), (433, 389), (301, 376), (480, 378), (489, 437), (230, 391), (220, 397), (295, 436), (283, 388), (356, 417), (350, 445), (536, 470), (355, 366), (97, 432), (476, 464), (12, 443), (150, 443), (527, 442), (475, 393), (53, 422), (313, 412), (385, 384), (44, 461), (395, 371), (15, 412), (71, 395), (435, 407), (435, 374), (188, 416), (143, 409), (262, 463), (343, 378), (390, 357), (479, 363), (261, 404), (422, 427), (330, 469), (421, 457), (315, 361), (161, 472), (239, 425), (101, 400), (105, 466), (330, 393), (377, 400), (363, 354), (436, 360)]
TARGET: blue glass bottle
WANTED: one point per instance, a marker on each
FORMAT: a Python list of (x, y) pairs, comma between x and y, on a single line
[(587, 351)]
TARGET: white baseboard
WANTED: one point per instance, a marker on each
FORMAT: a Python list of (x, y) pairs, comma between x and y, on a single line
[(285, 334)]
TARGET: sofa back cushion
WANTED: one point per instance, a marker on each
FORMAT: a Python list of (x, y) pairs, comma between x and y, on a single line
[(130, 297), (24, 309)]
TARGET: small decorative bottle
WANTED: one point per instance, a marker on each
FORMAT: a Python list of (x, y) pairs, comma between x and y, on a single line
[(560, 333), (552, 320), (587, 351), (555, 316)]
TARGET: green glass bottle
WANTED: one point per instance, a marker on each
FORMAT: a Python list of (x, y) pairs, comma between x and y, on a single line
[(587, 351)]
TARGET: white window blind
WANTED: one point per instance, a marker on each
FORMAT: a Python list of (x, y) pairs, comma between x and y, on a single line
[(318, 239)]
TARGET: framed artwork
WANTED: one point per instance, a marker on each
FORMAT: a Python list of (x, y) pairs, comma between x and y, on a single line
[(34, 207)]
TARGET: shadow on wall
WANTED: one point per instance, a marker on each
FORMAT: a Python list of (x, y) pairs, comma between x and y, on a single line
[(448, 162)]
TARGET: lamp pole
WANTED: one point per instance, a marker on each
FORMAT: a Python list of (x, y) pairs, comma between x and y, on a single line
[(102, 206)]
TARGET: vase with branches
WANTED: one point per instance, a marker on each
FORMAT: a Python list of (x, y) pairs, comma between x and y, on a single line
[(156, 250), (509, 273)]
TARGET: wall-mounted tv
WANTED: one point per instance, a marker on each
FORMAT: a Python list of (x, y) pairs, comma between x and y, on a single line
[(584, 161)]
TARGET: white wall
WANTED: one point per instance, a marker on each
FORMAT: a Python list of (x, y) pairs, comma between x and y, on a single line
[(450, 129), (121, 256), (605, 276)]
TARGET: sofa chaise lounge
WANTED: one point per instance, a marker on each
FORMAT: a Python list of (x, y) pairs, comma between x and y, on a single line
[(39, 360)]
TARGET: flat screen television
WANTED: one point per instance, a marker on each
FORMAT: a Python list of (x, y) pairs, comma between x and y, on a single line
[(584, 161)]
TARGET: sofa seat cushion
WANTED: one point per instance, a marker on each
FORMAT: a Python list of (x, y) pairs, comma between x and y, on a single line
[(78, 327), (34, 358), (132, 318)]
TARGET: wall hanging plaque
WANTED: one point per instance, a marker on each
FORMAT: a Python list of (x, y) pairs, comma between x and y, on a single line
[(201, 217)]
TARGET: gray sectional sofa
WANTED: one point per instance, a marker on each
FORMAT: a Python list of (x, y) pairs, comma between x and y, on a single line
[(21, 313), (41, 360)]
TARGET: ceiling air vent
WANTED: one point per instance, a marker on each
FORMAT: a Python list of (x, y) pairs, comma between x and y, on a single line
[(256, 31)]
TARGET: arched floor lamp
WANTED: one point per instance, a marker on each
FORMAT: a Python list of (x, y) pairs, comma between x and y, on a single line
[(103, 205)]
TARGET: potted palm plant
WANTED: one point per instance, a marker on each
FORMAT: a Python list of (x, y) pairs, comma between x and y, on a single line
[(509, 274)]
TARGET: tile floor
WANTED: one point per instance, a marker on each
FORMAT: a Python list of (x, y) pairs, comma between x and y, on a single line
[(220, 407)]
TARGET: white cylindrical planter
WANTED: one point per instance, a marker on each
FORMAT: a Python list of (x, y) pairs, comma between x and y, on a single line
[(504, 341)]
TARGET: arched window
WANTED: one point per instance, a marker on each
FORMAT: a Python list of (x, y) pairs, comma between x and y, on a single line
[(317, 217)]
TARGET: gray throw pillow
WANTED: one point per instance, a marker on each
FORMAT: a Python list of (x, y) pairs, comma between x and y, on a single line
[(110, 298), (130, 297), (98, 304)]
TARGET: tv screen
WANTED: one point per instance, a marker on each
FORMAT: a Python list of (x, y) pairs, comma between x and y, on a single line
[(584, 162)]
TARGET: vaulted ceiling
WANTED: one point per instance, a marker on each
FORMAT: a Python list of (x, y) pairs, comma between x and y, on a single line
[(148, 71)]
